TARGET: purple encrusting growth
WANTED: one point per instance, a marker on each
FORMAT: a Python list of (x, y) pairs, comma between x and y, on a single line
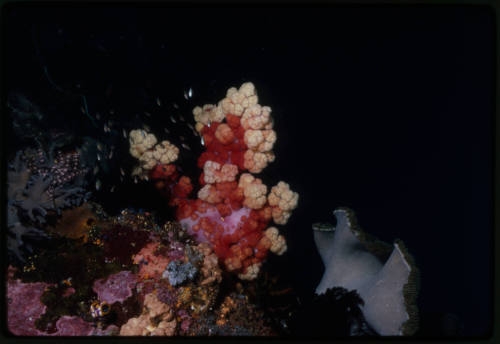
[(186, 319), (24, 306), (72, 326), (176, 251), (115, 288), (168, 296), (76, 326)]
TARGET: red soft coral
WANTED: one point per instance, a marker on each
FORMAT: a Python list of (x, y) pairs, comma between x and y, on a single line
[(231, 214)]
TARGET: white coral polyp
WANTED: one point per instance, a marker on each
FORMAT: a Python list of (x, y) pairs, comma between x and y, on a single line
[(237, 101), (280, 217), (253, 138), (260, 140), (140, 141), (165, 153), (251, 272), (147, 160), (255, 195), (217, 173), (278, 243), (207, 114), (255, 162), (256, 117), (282, 197), (209, 194), (269, 141), (217, 113)]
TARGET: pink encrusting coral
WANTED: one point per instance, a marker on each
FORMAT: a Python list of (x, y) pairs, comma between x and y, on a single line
[(151, 264), (24, 306), (233, 208), (76, 326), (115, 288)]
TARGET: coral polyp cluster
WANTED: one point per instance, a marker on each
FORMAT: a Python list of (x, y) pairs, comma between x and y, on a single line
[(233, 208)]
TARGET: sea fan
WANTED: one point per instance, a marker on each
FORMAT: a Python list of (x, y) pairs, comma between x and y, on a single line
[(31, 195)]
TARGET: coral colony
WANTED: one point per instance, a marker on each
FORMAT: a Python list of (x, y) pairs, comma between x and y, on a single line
[(202, 274), (233, 208)]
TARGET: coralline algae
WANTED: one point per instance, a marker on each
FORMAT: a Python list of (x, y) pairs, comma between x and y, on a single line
[(115, 288)]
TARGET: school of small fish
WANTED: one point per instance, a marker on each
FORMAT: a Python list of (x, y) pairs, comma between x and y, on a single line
[(106, 152)]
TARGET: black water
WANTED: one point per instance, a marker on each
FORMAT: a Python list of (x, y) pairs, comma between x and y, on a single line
[(386, 110)]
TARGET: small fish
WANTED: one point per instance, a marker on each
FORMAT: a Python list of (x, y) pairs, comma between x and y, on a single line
[(98, 157), (98, 184), (121, 179), (99, 147), (176, 106), (135, 180), (110, 154), (124, 133), (82, 109), (106, 128), (146, 127), (158, 101), (112, 189), (190, 126), (146, 178), (122, 171), (96, 169), (185, 146), (190, 93), (173, 119), (185, 95), (147, 114), (112, 111), (166, 130), (202, 141), (182, 118)]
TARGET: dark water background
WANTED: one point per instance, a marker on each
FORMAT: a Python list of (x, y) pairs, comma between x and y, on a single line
[(386, 110)]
